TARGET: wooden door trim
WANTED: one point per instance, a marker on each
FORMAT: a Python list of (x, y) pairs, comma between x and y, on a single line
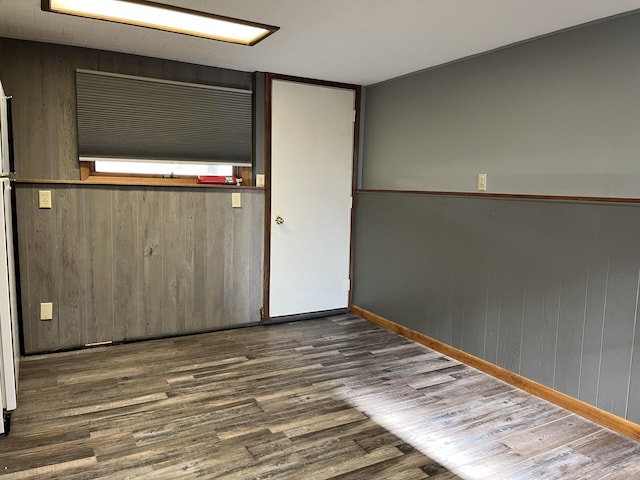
[(354, 187), (269, 78)]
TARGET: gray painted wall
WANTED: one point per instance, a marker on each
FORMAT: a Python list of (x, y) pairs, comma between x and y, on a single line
[(545, 289), (558, 115)]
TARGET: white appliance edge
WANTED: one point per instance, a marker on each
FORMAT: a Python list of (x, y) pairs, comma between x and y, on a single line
[(9, 348)]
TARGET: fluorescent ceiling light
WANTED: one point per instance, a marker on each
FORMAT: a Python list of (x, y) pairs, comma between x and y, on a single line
[(164, 17)]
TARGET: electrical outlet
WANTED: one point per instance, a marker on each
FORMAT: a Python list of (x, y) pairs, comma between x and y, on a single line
[(482, 182), (44, 198), (46, 311), (236, 200)]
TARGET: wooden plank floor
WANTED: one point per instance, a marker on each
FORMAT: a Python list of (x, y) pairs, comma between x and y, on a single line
[(330, 398)]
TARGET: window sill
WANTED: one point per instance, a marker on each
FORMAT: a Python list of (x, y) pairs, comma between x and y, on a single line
[(137, 182)]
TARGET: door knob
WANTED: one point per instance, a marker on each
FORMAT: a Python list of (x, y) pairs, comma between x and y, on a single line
[(279, 220)]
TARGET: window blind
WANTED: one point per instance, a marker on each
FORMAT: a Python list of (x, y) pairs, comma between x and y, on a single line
[(136, 118)]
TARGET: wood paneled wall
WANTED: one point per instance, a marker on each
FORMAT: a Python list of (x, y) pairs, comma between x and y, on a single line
[(122, 263), (546, 289), (41, 79)]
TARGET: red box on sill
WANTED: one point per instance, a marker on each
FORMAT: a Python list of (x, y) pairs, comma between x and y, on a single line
[(219, 179)]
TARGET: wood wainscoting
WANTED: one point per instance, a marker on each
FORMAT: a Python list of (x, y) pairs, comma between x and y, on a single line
[(574, 405), (129, 262)]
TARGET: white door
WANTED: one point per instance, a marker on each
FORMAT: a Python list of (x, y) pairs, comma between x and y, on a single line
[(312, 134)]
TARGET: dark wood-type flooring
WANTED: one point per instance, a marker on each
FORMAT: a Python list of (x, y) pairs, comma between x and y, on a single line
[(329, 398)]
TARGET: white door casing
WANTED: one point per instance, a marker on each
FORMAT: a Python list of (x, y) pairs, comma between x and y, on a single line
[(312, 135)]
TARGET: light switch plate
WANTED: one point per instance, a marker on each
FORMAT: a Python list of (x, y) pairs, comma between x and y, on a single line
[(482, 182), (236, 200), (46, 311), (259, 179)]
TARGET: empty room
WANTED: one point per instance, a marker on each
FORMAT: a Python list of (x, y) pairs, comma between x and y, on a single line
[(459, 295)]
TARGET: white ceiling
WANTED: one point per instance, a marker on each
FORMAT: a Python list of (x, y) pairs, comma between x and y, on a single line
[(354, 41)]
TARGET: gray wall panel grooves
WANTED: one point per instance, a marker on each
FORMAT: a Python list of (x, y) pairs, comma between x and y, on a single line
[(635, 326), (544, 288), (518, 283), (131, 274)]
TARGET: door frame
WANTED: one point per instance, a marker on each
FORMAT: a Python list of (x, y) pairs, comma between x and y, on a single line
[(268, 79)]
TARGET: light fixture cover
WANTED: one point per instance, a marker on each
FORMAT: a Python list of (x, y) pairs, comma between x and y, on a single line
[(165, 17)]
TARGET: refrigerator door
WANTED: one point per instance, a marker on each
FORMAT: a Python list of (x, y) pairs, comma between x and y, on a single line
[(11, 269), (4, 134), (2, 394), (8, 319)]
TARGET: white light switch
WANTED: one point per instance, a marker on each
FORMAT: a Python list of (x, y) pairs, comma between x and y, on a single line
[(482, 181), (236, 200), (259, 179)]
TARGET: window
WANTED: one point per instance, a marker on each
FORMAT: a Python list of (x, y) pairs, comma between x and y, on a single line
[(140, 126), (162, 168)]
